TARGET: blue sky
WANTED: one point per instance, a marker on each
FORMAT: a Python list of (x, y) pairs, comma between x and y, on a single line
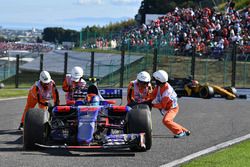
[(68, 14)]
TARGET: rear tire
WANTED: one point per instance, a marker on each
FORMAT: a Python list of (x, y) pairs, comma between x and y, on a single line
[(206, 92), (35, 128), (139, 121)]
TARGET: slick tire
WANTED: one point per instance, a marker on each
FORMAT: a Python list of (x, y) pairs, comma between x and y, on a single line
[(231, 90), (35, 128), (206, 92), (139, 121)]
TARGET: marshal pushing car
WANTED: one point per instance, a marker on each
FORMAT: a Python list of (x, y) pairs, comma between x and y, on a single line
[(90, 123)]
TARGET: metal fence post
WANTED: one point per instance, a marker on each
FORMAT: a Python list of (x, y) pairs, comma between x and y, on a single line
[(193, 63), (41, 63), (80, 42), (92, 64), (17, 71), (4, 71), (155, 60), (65, 63), (233, 65), (122, 67)]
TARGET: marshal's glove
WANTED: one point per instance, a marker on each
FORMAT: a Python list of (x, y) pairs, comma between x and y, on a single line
[(133, 102), (155, 101)]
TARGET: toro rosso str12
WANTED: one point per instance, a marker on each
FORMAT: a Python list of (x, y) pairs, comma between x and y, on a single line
[(86, 126)]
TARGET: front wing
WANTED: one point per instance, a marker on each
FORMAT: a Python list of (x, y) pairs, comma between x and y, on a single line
[(118, 141)]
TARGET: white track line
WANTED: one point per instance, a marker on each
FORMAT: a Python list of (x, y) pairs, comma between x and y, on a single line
[(206, 151), (13, 98)]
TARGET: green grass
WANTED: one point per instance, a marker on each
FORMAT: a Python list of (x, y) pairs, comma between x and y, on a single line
[(239, 5), (97, 50), (6, 93), (135, 52), (234, 156)]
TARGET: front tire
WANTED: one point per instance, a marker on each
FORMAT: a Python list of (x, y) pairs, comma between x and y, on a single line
[(139, 121), (231, 90), (35, 128)]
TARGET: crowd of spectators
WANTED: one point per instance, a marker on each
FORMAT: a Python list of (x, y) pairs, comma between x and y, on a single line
[(30, 47), (102, 43), (209, 31)]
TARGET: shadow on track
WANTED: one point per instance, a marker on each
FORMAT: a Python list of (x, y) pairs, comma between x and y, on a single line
[(81, 153), (17, 141), (12, 149), (163, 136), (11, 132), (7, 144)]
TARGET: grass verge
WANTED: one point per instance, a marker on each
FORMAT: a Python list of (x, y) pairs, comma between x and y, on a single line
[(234, 156), (7, 93)]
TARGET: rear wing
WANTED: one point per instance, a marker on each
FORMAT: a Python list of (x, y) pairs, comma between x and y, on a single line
[(111, 93)]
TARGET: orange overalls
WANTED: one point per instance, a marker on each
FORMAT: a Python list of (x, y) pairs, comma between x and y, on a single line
[(165, 99), (69, 86), (138, 94), (37, 94)]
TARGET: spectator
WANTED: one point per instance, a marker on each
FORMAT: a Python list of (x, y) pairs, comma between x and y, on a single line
[(183, 28)]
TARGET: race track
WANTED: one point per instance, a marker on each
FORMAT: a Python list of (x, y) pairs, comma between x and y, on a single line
[(210, 121)]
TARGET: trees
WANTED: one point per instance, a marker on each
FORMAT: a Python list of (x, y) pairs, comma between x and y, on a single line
[(58, 35), (2, 39)]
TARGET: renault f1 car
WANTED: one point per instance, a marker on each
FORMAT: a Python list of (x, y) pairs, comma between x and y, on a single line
[(192, 88), (84, 126)]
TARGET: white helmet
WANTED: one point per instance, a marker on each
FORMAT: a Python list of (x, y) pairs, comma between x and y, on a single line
[(143, 76), (45, 77), (161, 76), (76, 73)]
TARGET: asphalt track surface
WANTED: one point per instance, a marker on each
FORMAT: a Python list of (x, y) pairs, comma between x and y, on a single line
[(211, 122)]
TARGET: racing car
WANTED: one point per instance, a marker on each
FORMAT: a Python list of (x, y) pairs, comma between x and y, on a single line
[(86, 126), (192, 88)]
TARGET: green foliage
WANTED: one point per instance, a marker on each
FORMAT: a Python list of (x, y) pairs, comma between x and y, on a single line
[(2, 39), (58, 35), (111, 27), (114, 27), (241, 4), (39, 40)]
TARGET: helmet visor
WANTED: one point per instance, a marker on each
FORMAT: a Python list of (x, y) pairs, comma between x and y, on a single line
[(75, 79), (44, 85), (143, 83)]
